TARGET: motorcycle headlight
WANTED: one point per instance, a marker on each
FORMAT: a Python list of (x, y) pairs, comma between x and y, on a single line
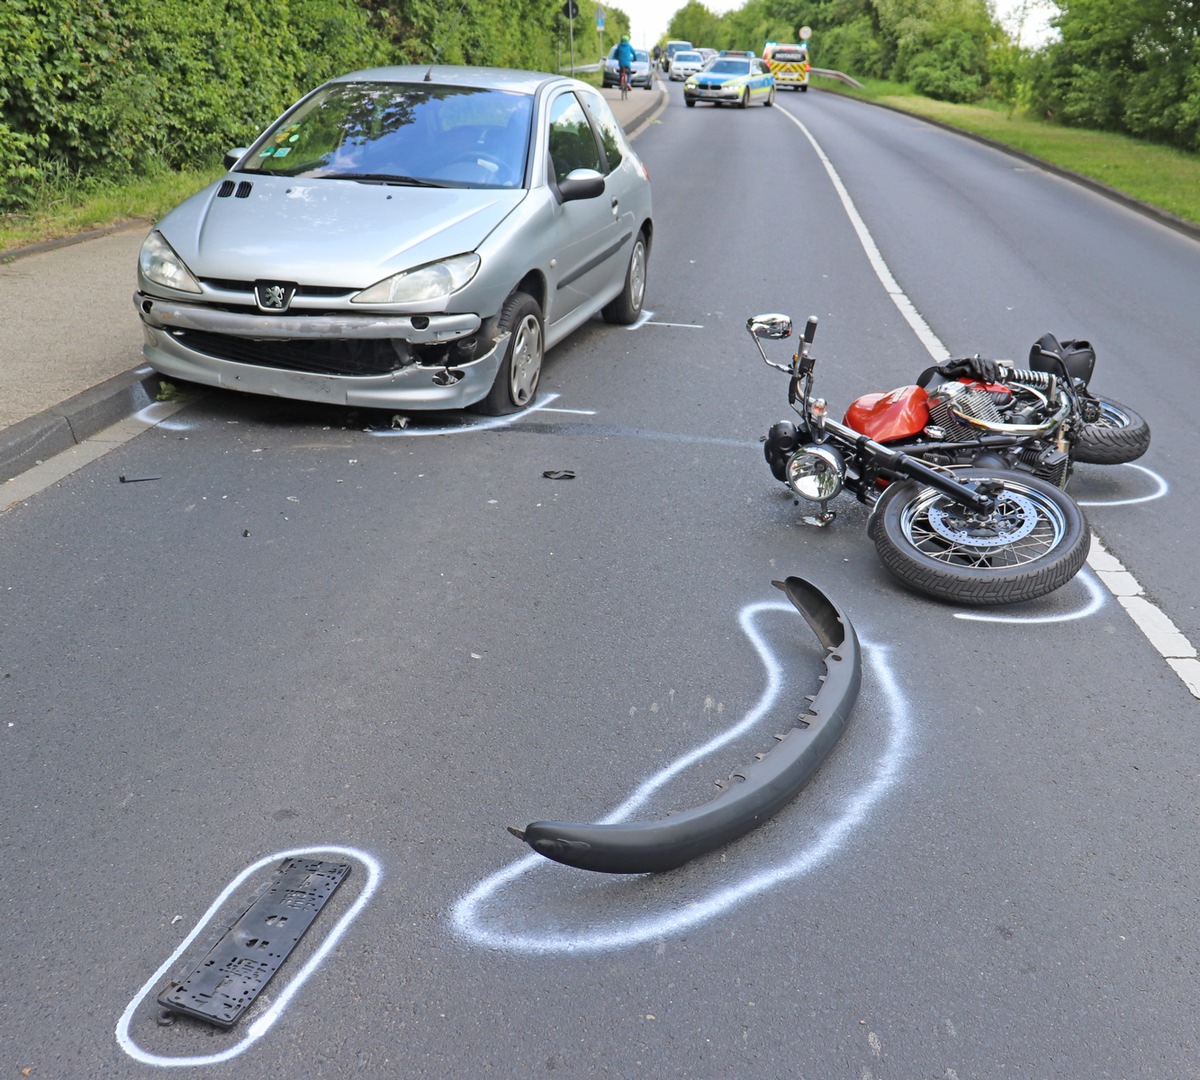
[(161, 265), (816, 473), (424, 284)]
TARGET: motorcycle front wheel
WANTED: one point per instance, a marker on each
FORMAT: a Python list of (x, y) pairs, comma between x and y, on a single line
[(1033, 542), (1119, 435)]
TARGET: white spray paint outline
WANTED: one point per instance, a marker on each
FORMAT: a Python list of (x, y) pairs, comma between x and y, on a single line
[(490, 423), (1161, 488), (263, 1023), (1097, 596), (469, 921)]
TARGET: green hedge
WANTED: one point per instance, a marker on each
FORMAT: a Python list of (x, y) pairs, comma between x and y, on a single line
[(114, 88)]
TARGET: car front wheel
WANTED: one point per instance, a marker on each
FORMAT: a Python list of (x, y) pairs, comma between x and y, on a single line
[(517, 380)]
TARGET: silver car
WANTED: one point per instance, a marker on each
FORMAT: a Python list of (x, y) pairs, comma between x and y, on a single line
[(405, 237), (639, 74)]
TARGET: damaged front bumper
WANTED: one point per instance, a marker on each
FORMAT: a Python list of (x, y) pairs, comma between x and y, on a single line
[(761, 789), (367, 361)]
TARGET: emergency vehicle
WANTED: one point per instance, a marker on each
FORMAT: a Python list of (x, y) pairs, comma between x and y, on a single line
[(788, 63)]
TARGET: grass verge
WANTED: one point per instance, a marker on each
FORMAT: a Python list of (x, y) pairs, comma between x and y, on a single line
[(67, 207)]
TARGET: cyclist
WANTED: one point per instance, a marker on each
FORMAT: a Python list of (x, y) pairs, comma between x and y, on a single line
[(625, 56)]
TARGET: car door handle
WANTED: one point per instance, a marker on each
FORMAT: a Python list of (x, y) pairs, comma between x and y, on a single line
[(615, 204)]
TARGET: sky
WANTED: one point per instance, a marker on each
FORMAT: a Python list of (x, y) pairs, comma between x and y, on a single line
[(649, 18)]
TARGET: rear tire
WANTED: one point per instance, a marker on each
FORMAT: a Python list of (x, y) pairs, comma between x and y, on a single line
[(1034, 543), (520, 371), (627, 308), (1119, 436)]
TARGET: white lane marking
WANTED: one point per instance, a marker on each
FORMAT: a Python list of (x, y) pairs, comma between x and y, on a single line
[(1160, 631), (33, 481), (1146, 616), (920, 327), (1160, 489), (481, 922), (1096, 596), (266, 1020)]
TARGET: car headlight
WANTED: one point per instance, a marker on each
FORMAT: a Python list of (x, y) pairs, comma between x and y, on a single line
[(161, 265), (690, 84), (424, 284)]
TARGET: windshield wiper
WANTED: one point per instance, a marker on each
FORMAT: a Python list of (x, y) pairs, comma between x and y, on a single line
[(384, 178)]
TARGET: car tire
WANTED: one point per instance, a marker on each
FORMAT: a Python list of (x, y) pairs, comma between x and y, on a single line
[(517, 380), (804, 88), (770, 98), (745, 102), (690, 102), (627, 307)]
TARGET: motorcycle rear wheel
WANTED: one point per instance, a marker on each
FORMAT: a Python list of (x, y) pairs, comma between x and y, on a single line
[(1033, 543), (1119, 436)]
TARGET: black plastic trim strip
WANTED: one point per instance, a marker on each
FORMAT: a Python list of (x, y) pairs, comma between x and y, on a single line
[(757, 792), (591, 264)]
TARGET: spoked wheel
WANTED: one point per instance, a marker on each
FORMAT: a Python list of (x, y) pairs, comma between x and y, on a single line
[(1033, 542), (517, 380), (1115, 436)]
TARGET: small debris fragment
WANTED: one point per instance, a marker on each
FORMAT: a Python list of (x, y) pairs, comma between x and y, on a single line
[(559, 474), (137, 479), (399, 421), (245, 532)]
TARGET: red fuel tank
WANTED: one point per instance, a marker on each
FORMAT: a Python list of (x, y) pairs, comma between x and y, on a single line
[(898, 414)]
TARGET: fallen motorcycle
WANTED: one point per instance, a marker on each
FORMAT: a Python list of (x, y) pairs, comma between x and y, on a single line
[(964, 470)]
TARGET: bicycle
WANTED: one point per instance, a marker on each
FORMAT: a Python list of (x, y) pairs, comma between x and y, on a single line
[(624, 83)]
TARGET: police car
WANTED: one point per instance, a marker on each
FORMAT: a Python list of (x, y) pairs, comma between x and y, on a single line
[(731, 80)]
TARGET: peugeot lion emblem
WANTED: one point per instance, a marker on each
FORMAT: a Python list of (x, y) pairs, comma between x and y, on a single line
[(273, 295)]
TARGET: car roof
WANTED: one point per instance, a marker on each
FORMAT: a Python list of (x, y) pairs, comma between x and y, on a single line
[(484, 78)]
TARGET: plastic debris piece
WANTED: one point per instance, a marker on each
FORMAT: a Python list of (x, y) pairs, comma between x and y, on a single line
[(559, 474)]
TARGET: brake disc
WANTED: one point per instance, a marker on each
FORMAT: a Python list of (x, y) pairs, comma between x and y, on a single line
[(1014, 519)]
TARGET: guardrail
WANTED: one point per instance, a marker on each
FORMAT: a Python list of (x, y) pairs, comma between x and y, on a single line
[(835, 75)]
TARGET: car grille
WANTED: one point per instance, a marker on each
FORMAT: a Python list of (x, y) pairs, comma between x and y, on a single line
[(334, 357), (325, 291)]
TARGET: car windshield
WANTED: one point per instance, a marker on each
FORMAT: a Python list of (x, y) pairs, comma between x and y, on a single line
[(640, 56), (400, 133), (729, 67), (688, 58)]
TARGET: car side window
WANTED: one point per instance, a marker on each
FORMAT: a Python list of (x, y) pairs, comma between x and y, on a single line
[(572, 143), (610, 131)]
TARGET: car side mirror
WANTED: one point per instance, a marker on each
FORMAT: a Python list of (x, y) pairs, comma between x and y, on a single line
[(233, 156), (581, 184), (773, 327)]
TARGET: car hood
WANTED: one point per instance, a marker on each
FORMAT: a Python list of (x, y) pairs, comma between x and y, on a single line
[(705, 79), (328, 232)]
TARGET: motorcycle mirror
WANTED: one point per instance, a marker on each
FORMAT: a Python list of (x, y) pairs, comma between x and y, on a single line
[(774, 327)]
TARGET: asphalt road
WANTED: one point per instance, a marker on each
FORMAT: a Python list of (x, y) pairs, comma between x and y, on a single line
[(311, 631)]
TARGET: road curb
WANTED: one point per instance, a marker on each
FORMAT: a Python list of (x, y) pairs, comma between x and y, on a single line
[(67, 424)]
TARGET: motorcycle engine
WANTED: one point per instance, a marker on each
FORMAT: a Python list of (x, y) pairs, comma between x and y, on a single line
[(966, 400), (949, 403)]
